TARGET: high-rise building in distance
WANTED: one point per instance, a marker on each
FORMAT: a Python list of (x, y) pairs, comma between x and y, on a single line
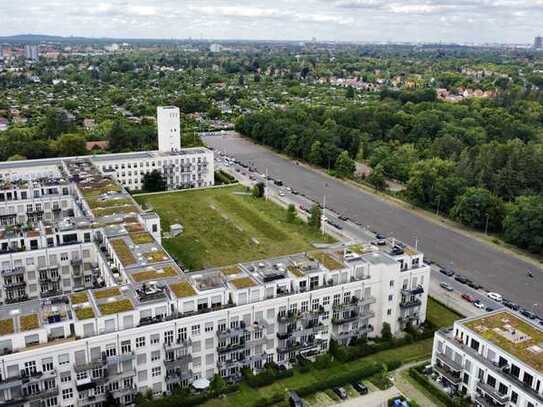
[(538, 42), (32, 52)]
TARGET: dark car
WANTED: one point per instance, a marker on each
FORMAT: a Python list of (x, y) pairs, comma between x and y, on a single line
[(278, 182), (461, 279), (527, 313), (474, 285), (489, 309), (447, 272), (294, 400), (343, 218), (360, 387), (380, 236), (510, 304), (340, 391)]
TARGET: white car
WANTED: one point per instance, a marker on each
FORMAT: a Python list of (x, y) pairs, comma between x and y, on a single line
[(494, 296), (281, 193), (479, 304)]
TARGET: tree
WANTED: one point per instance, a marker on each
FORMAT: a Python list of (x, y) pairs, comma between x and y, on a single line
[(70, 144), (315, 154), (118, 137), (291, 213), (345, 165), (386, 332), (259, 190), (154, 182), (350, 93), (55, 123), (217, 384), (476, 206), (377, 178), (315, 217), (523, 223)]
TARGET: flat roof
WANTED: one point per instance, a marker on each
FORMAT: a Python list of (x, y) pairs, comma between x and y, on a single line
[(513, 334)]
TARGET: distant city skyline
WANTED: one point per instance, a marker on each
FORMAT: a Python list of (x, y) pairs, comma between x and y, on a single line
[(465, 21)]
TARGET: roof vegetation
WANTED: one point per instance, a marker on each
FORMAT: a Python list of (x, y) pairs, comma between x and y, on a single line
[(123, 252), (166, 272), (115, 307), (183, 289)]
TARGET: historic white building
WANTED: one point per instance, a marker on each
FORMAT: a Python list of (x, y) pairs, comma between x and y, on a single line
[(93, 305), (496, 359)]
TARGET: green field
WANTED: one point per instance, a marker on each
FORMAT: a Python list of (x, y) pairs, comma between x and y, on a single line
[(224, 226)]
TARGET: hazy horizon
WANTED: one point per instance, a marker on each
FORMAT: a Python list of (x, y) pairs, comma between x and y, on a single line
[(461, 21)]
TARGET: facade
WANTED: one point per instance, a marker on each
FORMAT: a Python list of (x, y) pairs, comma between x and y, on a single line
[(169, 128), (92, 305), (32, 52), (538, 43), (496, 359)]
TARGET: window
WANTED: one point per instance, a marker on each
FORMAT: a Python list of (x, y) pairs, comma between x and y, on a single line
[(514, 397), (140, 342), (391, 283), (390, 297), (65, 377), (336, 299), (326, 300), (63, 359), (168, 337), (126, 347), (67, 394), (389, 311), (155, 355), (195, 330), (304, 306), (155, 338), (47, 364), (209, 327), (155, 371)]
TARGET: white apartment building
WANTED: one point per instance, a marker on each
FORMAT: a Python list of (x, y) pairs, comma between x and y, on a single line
[(93, 305), (496, 359)]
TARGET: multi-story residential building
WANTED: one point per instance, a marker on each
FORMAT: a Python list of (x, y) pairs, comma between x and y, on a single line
[(32, 52), (93, 305), (496, 359)]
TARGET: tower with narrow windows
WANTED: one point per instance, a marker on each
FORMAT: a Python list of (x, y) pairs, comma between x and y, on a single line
[(169, 128)]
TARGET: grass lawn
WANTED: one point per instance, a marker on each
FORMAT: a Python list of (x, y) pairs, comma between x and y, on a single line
[(221, 226), (246, 395), (439, 315)]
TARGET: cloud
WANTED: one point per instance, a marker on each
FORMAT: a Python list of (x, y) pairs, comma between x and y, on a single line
[(355, 20)]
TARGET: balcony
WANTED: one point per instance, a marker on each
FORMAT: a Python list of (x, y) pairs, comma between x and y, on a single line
[(451, 364), (95, 364), (179, 376), (231, 347), (178, 360), (13, 271), (43, 394), (413, 291), (497, 399), (448, 374), (410, 303), (14, 284), (178, 344)]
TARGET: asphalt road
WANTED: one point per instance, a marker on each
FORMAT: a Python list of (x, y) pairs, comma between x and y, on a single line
[(480, 262)]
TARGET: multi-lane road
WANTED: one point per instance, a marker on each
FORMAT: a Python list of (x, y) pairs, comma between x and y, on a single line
[(481, 262)]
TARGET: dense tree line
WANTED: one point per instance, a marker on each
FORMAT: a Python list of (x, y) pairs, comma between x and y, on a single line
[(480, 161)]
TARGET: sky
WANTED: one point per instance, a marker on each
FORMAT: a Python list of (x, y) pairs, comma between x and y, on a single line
[(465, 21)]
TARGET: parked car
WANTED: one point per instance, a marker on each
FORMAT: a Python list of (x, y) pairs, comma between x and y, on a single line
[(447, 272), (489, 309), (461, 279), (479, 304), (494, 296), (341, 392), (360, 387), (343, 218), (510, 304), (468, 297), (446, 286), (294, 400), (527, 314), (278, 182), (379, 236), (474, 285)]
